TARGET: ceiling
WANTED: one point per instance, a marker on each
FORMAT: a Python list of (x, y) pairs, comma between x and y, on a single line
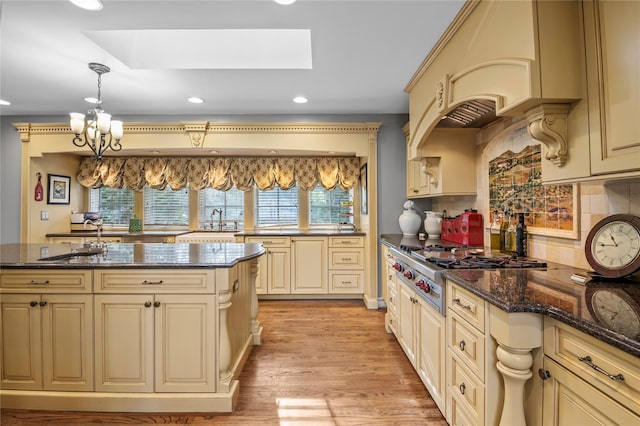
[(363, 54)]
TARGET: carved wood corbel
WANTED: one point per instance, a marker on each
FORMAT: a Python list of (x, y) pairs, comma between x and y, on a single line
[(429, 166), (548, 124), (196, 131)]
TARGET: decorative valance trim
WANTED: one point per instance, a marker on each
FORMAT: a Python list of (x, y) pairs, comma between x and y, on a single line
[(221, 173)]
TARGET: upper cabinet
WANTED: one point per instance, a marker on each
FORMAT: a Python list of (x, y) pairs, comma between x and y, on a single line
[(568, 67), (612, 34), (446, 164)]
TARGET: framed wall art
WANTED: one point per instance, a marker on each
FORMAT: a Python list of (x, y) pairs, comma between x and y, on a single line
[(59, 189)]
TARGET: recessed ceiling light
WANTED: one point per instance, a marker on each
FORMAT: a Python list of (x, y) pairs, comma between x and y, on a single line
[(331, 152), (88, 4), (3, 102), (195, 100), (285, 2), (155, 152), (273, 152), (300, 100), (214, 152)]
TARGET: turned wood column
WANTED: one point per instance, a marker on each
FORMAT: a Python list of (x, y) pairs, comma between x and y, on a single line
[(256, 328), (224, 355), (517, 334)]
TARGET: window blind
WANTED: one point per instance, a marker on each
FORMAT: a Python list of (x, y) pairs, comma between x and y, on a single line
[(328, 207), (114, 204), (231, 202), (166, 208), (277, 207)]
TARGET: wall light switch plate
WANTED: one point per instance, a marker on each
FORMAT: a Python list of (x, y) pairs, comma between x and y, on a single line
[(44, 215)]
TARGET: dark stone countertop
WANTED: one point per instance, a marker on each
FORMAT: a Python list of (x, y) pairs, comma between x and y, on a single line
[(149, 255), (607, 310), (247, 233)]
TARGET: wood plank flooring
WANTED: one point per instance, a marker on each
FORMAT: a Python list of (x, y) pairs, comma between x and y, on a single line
[(320, 363)]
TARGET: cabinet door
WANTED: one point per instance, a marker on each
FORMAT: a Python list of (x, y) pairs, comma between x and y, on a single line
[(184, 343), (124, 343), (431, 352), (406, 326), (570, 401), (309, 266), (612, 42), (67, 342), (278, 273), (21, 348)]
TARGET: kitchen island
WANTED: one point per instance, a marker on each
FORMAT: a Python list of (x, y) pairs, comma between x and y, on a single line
[(135, 327)]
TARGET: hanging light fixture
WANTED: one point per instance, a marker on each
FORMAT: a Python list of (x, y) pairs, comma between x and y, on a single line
[(99, 131)]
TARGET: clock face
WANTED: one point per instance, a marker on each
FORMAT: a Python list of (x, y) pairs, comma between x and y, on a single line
[(613, 246), (616, 311)]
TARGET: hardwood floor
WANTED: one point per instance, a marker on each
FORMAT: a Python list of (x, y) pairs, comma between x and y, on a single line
[(320, 363)]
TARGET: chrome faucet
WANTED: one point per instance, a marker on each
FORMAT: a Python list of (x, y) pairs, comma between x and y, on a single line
[(219, 211), (98, 224)]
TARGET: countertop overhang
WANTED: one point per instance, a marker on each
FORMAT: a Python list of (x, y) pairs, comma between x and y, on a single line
[(125, 255)]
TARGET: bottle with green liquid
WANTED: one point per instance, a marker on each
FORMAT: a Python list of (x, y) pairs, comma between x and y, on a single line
[(494, 232)]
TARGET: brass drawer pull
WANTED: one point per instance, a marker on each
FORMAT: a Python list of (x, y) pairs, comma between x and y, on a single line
[(462, 345), (33, 303), (147, 304), (39, 282), (587, 360), (151, 282), (463, 388), (457, 302), (346, 259)]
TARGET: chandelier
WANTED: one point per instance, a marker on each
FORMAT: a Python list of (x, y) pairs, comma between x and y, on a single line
[(96, 130)]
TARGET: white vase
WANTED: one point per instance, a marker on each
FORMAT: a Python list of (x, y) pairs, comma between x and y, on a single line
[(410, 222), (433, 224)]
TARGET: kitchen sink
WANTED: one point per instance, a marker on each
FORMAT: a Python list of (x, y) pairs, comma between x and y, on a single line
[(206, 237)]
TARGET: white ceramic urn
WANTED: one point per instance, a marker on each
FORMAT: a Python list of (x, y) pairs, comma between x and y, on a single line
[(432, 224), (409, 220)]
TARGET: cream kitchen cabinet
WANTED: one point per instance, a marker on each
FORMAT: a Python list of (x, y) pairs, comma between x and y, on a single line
[(421, 333), (346, 265), (309, 265), (612, 32), (155, 343), (418, 182), (274, 270), (47, 333), (390, 290), (472, 382), (587, 381), (149, 339)]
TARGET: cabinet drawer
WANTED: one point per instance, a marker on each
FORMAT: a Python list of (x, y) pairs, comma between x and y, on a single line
[(466, 390), (346, 259), (466, 343), (271, 241), (346, 281), (346, 241), (467, 305), (391, 299), (45, 281), (155, 281), (567, 346)]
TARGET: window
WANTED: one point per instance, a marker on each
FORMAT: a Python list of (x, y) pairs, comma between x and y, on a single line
[(231, 203), (277, 207), (166, 208), (330, 207), (114, 204)]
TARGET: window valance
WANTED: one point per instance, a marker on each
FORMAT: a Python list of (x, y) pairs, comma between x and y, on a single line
[(221, 173)]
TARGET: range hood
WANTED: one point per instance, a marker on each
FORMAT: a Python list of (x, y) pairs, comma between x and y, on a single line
[(502, 59)]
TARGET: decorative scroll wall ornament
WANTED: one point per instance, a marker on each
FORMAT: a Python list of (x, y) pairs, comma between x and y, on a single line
[(196, 131), (221, 173), (548, 124), (440, 89), (429, 166)]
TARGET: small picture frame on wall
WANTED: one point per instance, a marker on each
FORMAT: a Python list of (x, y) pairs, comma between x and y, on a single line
[(363, 190), (59, 189)]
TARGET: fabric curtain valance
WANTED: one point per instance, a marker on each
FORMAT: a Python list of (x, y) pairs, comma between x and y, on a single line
[(221, 173)]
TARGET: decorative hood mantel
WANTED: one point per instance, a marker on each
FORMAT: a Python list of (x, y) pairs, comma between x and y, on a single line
[(525, 56)]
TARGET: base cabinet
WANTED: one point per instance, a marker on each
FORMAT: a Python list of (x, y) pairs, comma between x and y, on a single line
[(274, 268), (309, 266), (421, 333), (575, 392), (167, 337)]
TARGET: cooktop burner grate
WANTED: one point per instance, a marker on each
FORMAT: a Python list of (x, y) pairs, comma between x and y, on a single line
[(482, 262)]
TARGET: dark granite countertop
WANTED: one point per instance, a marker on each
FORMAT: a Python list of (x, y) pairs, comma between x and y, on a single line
[(257, 232), (606, 310), (150, 255)]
